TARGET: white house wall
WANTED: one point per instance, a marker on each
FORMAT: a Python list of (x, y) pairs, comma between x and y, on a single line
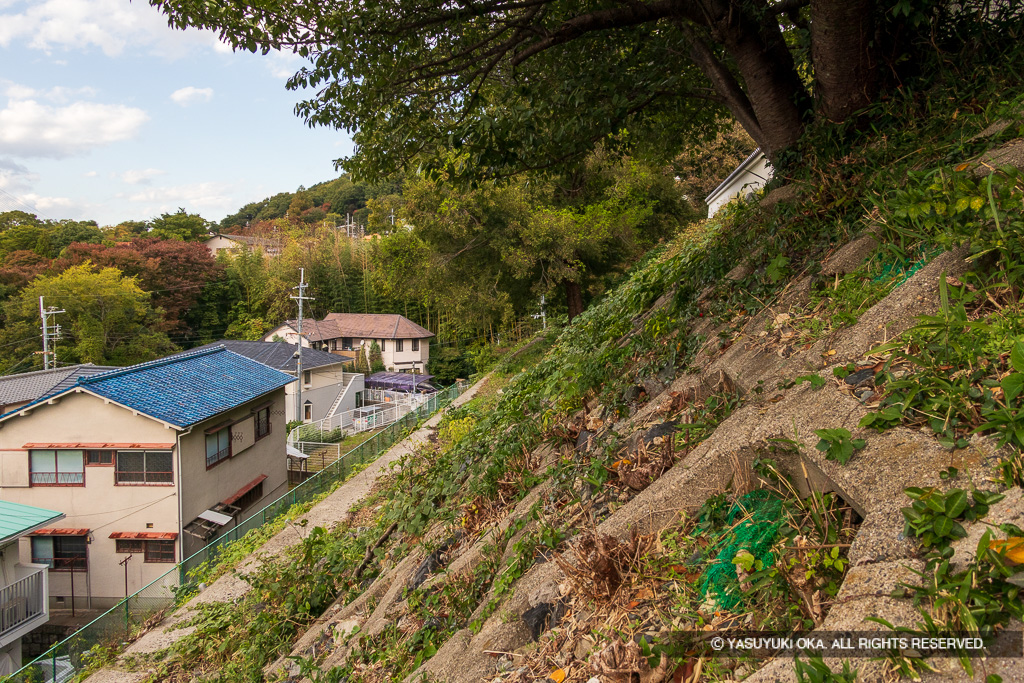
[(99, 506), (750, 179)]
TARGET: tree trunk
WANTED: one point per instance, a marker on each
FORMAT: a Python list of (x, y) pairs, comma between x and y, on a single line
[(751, 36), (724, 83), (573, 298), (845, 68)]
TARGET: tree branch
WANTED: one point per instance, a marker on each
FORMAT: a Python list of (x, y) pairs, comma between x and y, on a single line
[(620, 17)]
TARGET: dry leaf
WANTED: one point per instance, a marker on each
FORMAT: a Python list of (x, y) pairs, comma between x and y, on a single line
[(558, 675), (1012, 549)]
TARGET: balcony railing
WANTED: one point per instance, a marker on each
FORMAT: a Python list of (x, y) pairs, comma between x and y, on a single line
[(23, 601)]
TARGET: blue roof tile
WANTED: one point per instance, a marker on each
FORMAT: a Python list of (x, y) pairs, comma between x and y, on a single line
[(186, 389)]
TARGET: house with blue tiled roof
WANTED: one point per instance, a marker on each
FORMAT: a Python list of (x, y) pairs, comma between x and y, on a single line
[(148, 463)]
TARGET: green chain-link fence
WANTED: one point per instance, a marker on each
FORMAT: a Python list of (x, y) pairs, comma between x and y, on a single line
[(112, 629)]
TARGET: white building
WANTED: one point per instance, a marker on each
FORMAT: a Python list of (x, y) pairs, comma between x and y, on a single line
[(749, 177), (404, 345)]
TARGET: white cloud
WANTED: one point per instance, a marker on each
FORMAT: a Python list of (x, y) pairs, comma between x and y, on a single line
[(31, 129), (202, 197), (141, 176), (109, 25), (44, 203), (91, 174), (283, 64), (14, 177), (58, 94), (191, 95)]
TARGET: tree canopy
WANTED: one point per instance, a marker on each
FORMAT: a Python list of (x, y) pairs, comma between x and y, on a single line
[(527, 84)]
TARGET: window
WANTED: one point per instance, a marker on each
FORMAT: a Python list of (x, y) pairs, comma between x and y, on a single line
[(398, 345), (262, 422), (250, 496), (346, 343), (307, 411), (218, 446), (144, 467), (128, 545), (57, 468), (383, 346), (160, 551), (94, 458), (415, 344), (307, 376), (334, 345), (60, 553)]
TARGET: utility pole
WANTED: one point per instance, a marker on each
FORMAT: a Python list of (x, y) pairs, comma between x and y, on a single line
[(45, 314), (298, 354), (543, 315)]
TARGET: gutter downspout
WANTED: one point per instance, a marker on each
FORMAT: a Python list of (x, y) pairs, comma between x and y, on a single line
[(181, 517)]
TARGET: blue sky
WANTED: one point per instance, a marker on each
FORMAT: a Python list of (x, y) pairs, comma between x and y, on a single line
[(108, 114)]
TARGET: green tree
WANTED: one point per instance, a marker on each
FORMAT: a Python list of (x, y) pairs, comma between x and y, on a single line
[(376, 358), (108, 319), (182, 226)]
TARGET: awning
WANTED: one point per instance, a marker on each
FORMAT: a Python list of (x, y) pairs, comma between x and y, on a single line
[(102, 446), (244, 490), (60, 532), (398, 381), (145, 535), (293, 452)]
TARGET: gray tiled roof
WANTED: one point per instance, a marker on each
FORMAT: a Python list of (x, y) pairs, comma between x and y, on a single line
[(278, 355), (28, 386)]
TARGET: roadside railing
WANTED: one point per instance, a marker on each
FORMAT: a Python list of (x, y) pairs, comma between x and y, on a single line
[(116, 627)]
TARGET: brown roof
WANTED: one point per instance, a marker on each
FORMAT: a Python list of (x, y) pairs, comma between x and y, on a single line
[(377, 326), (362, 326)]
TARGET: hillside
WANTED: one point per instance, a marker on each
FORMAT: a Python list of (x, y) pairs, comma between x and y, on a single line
[(802, 413)]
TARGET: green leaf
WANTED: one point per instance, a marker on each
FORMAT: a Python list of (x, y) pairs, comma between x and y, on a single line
[(1017, 356), (942, 526), (956, 503), (1012, 386)]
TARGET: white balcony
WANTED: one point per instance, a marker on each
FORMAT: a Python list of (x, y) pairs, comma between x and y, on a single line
[(23, 604)]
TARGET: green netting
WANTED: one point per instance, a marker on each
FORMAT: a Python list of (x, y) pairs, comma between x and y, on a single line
[(752, 524), (900, 272)]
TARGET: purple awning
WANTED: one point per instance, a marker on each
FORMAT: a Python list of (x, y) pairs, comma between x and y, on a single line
[(399, 381)]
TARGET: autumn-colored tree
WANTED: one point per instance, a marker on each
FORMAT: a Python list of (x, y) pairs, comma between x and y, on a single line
[(173, 271), (107, 319)]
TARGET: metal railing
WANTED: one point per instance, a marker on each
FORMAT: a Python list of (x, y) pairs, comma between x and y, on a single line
[(388, 407), (114, 628), (22, 601)]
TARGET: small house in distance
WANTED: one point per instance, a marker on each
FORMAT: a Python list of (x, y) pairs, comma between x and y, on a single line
[(749, 177), (134, 457), (404, 345), (24, 603), (326, 388), (231, 243)]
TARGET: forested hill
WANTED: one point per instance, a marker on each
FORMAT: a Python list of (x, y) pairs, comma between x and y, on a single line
[(471, 264)]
